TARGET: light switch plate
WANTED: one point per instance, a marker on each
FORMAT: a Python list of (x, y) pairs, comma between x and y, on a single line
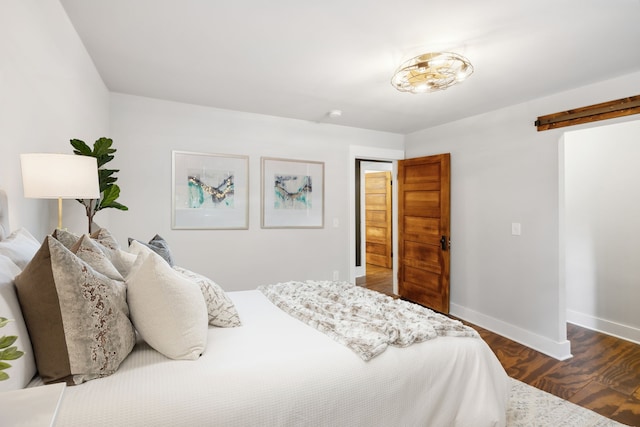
[(516, 229)]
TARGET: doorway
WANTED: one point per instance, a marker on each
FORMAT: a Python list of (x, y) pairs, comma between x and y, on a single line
[(357, 155), (374, 213), (599, 230), (374, 219)]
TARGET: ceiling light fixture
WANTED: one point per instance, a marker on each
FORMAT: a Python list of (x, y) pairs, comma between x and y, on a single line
[(431, 72)]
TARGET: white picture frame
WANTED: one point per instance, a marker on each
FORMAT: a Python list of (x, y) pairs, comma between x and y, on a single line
[(292, 193), (210, 191)]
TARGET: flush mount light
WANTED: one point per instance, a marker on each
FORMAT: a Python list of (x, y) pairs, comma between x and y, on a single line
[(431, 72)]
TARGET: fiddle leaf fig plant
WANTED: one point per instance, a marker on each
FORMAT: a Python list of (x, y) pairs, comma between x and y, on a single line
[(7, 350), (109, 190)]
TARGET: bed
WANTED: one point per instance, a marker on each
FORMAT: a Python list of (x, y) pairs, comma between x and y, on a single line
[(276, 370)]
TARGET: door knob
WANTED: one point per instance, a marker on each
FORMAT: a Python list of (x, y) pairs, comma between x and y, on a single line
[(443, 243)]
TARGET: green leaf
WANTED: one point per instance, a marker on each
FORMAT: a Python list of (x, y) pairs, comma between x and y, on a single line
[(80, 147), (3, 376), (106, 174), (4, 365), (102, 150), (102, 160), (110, 194), (118, 206), (12, 353), (106, 180), (7, 340), (4, 321), (102, 146)]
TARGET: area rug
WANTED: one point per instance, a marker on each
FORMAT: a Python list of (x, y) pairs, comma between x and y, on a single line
[(531, 407)]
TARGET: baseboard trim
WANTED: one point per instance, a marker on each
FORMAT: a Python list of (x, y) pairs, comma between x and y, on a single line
[(558, 350), (618, 330)]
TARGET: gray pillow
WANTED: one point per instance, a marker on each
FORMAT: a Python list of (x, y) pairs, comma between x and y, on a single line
[(159, 246)]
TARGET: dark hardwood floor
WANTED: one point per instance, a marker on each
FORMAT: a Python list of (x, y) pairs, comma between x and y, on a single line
[(603, 375)]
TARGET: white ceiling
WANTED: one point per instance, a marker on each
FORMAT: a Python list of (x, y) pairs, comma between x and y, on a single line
[(302, 58)]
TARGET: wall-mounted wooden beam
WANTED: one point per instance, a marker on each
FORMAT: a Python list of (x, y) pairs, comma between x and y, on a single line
[(592, 113)]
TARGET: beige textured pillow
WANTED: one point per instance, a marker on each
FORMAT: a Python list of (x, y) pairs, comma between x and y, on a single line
[(67, 238), (105, 238), (90, 252), (77, 317), (221, 310), (167, 309), (121, 260)]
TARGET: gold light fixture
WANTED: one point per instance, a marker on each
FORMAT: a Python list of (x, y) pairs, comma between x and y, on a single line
[(431, 72)]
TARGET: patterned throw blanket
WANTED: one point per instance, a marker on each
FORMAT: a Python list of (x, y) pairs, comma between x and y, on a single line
[(366, 321)]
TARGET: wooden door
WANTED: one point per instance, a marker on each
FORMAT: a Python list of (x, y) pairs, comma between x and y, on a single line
[(423, 230), (378, 218)]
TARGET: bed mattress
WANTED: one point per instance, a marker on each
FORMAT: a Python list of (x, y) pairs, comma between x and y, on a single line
[(276, 371)]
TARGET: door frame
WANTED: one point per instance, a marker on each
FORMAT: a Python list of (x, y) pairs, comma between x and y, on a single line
[(371, 153)]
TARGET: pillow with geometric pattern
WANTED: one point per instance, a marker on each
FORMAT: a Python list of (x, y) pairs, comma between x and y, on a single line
[(220, 308)]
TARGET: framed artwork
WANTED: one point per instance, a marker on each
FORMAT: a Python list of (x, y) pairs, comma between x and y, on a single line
[(210, 191), (292, 193)]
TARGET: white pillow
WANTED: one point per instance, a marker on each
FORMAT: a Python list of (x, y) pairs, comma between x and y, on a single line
[(20, 247), (167, 309), (23, 368)]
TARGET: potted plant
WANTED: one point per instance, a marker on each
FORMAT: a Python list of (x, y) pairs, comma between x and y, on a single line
[(7, 350), (109, 191)]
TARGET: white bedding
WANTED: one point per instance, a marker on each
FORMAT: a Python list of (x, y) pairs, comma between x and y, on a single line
[(276, 371)]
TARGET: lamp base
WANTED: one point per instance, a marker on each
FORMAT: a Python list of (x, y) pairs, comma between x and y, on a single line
[(60, 212)]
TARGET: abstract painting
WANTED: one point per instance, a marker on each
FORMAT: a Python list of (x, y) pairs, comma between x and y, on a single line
[(210, 191), (292, 193), (204, 190)]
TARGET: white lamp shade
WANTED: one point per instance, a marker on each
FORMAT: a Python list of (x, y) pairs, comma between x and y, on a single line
[(64, 176)]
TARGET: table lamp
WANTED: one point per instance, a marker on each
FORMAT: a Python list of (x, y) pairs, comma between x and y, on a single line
[(59, 176)]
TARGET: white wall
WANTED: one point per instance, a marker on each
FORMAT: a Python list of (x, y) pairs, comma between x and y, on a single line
[(504, 171), (602, 232), (145, 131), (50, 92)]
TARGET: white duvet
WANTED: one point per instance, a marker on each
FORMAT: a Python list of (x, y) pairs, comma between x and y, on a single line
[(276, 371)]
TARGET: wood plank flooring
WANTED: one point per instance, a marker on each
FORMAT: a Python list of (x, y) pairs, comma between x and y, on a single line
[(603, 375)]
